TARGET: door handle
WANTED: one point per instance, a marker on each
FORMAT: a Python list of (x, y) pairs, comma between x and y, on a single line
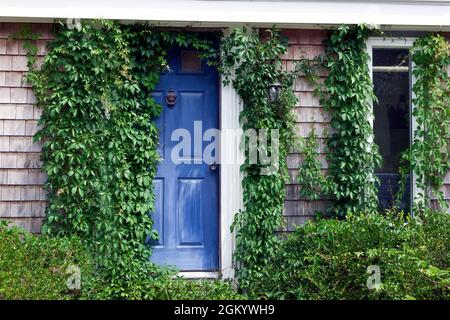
[(213, 166), (171, 98)]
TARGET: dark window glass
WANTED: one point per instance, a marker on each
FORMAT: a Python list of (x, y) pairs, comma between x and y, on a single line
[(190, 62), (391, 57), (392, 124)]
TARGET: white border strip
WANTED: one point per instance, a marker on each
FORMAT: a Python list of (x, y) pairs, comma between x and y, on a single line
[(198, 275), (224, 13), (232, 157)]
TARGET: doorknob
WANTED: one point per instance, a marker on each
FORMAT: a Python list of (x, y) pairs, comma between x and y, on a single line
[(213, 166), (171, 98)]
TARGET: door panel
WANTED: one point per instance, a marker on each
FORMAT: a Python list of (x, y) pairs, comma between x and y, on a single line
[(186, 209), (190, 212), (158, 215)]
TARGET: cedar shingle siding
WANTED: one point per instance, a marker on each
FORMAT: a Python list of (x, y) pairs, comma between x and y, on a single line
[(21, 193), (305, 44), (22, 198), (309, 43)]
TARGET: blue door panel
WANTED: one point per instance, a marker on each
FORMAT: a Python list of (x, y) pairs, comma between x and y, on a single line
[(186, 208), (190, 212), (158, 215)]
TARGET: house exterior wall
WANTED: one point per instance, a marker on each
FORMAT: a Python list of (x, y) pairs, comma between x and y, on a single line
[(22, 198), (446, 188), (310, 114), (305, 43)]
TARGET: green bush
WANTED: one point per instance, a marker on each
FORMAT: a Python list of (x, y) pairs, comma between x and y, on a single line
[(179, 289), (33, 267), (329, 259), (169, 288)]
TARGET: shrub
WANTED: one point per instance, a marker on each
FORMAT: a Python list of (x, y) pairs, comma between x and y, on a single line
[(147, 281), (329, 259), (34, 267), (179, 289), (170, 288)]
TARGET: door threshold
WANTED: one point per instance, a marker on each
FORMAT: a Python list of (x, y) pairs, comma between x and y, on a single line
[(197, 275)]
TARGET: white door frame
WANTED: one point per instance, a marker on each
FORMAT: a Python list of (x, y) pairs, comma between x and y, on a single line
[(231, 159), (402, 43)]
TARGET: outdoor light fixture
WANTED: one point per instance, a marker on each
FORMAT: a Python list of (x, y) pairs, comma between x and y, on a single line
[(274, 91)]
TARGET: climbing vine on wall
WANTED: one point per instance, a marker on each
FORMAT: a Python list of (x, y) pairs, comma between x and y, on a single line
[(309, 176), (251, 64), (428, 156), (347, 94), (99, 138)]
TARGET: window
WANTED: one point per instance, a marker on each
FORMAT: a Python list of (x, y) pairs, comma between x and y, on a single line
[(392, 78), (190, 62)]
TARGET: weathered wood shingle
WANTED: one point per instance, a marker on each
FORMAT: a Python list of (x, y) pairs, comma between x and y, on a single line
[(22, 197), (310, 114)]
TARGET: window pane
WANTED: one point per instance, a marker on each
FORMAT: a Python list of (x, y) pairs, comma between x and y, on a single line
[(392, 124), (190, 62), (392, 132), (391, 57)]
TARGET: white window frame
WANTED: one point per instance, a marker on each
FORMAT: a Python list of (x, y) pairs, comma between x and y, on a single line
[(400, 43)]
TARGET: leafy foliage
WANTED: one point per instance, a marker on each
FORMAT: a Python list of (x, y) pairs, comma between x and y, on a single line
[(428, 156), (165, 287), (309, 172), (251, 64), (36, 267), (349, 95), (100, 140), (328, 259)]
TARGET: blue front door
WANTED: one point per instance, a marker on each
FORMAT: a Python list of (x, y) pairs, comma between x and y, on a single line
[(186, 187)]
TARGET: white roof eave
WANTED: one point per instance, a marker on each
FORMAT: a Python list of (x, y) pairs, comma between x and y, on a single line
[(401, 15)]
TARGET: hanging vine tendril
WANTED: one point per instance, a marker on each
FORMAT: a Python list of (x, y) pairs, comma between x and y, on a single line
[(99, 135), (255, 64), (428, 156)]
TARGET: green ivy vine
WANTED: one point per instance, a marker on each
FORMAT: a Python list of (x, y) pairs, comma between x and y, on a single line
[(309, 176), (347, 94), (428, 156), (99, 136), (251, 64)]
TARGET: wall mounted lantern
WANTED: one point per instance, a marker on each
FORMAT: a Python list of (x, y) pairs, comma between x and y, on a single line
[(274, 91)]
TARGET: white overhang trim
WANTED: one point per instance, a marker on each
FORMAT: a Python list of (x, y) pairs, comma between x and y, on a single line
[(424, 15)]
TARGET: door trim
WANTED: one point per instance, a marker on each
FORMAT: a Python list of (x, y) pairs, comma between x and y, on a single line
[(231, 200)]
